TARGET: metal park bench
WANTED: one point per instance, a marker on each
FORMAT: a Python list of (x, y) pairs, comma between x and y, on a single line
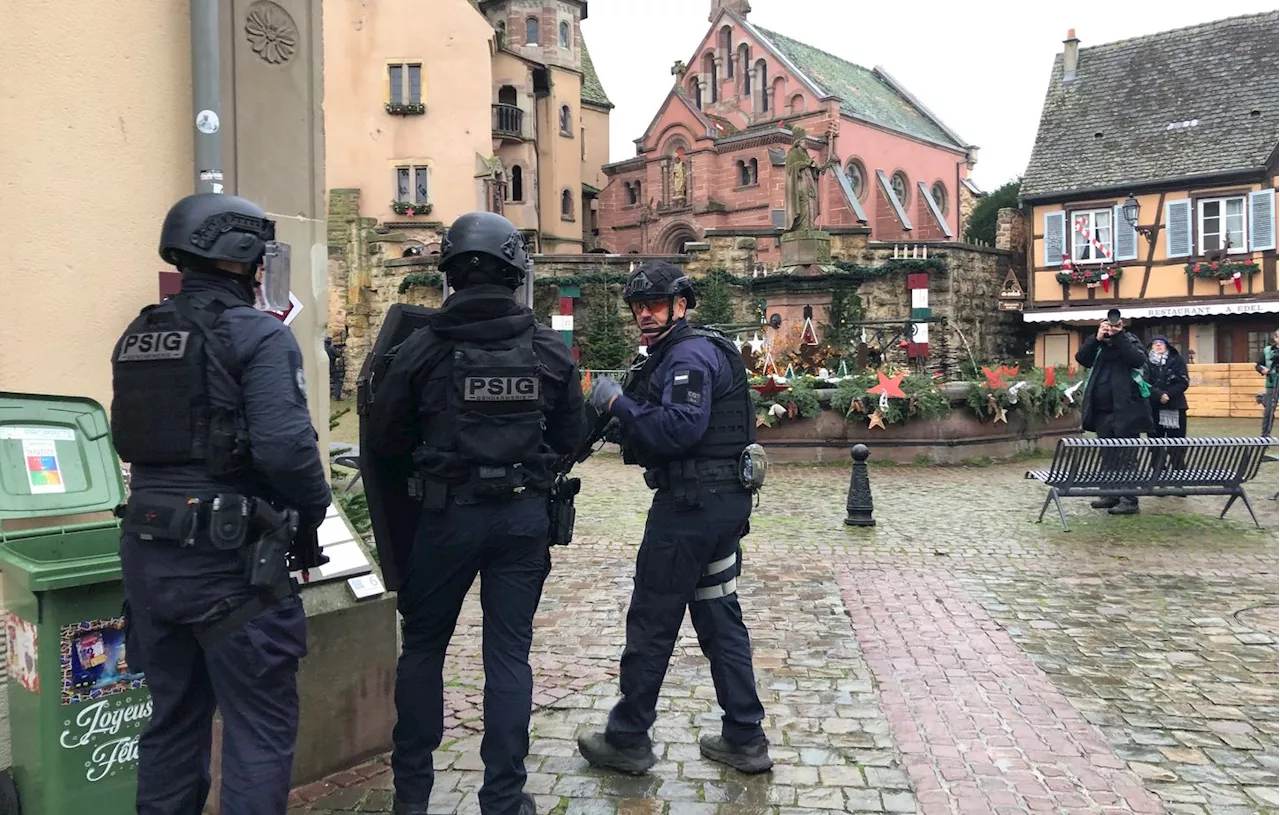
[(1096, 468)]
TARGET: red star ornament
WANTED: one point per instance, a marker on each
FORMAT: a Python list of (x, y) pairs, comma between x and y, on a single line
[(995, 379), (890, 386), (769, 388)]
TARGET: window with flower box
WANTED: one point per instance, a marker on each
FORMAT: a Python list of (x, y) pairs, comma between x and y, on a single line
[(1091, 236)]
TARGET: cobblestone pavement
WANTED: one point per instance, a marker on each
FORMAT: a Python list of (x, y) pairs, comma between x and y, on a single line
[(957, 658)]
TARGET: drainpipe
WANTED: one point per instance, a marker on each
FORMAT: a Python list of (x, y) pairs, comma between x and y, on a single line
[(206, 95)]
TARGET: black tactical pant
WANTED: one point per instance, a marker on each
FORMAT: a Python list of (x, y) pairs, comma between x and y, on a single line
[(249, 676), (506, 545), (678, 547), (1116, 458)]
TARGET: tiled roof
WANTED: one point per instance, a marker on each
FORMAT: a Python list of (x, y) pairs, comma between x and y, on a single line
[(862, 92), (592, 90), (1191, 101)]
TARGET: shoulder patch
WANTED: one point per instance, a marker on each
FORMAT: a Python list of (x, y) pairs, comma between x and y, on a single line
[(686, 387)]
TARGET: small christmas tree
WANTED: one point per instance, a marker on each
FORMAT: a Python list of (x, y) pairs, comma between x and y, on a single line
[(603, 343), (715, 298)]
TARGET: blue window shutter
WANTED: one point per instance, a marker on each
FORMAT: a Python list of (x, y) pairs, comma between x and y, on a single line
[(1055, 238), (1262, 220), (1177, 217), (1125, 240)]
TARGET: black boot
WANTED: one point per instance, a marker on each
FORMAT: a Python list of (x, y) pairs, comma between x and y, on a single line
[(1105, 503), (1126, 506), (401, 808), (746, 758), (600, 752)]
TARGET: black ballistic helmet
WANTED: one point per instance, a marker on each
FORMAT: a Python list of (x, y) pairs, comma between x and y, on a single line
[(209, 226), (484, 244), (659, 280)]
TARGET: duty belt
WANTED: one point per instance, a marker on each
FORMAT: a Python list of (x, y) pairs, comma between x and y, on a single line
[(709, 471)]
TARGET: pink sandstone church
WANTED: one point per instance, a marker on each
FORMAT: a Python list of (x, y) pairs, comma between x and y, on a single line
[(714, 156)]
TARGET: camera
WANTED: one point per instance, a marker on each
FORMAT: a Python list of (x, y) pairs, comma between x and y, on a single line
[(1113, 317)]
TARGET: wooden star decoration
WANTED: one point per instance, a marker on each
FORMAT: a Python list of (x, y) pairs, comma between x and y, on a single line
[(770, 387), (762, 420), (1001, 415), (877, 420), (890, 386)]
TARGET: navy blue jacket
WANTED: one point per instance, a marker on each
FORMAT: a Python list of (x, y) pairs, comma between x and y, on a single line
[(673, 415), (286, 459)]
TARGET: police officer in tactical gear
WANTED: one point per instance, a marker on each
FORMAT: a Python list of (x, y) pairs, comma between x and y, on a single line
[(686, 418), (209, 408), (484, 400)]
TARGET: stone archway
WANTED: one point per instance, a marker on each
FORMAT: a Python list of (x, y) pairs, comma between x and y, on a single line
[(674, 238)]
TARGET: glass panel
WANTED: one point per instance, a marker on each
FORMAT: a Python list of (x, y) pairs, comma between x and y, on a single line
[(1235, 223), (397, 84), (420, 184), (1102, 232), (415, 84), (564, 35), (531, 31), (402, 184)]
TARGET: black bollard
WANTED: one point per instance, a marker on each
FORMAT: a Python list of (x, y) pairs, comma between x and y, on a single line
[(859, 506)]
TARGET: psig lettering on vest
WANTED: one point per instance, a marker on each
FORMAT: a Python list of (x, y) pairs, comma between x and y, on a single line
[(501, 388), (154, 345)]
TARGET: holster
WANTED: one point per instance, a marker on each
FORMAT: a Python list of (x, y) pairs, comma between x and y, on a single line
[(560, 508), (269, 558)]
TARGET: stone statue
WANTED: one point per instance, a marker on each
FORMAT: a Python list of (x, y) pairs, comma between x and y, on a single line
[(678, 179), (803, 205)]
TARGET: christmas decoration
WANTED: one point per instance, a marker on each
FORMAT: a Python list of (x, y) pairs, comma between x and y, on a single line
[(586, 384), (1223, 271), (769, 387), (995, 379), (888, 387), (405, 109), (876, 420), (1050, 377), (410, 209)]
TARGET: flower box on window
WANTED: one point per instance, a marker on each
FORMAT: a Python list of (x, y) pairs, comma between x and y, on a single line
[(406, 109), (1214, 270), (1236, 272), (1091, 275), (409, 208)]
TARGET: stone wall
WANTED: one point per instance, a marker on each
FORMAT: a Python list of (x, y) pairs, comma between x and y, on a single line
[(1011, 235), (366, 264)]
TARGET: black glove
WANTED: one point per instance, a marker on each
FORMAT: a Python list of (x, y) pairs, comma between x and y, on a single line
[(309, 520)]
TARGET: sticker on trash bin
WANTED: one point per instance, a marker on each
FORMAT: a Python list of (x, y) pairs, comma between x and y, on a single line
[(43, 474), (93, 661), (38, 433), (20, 662)]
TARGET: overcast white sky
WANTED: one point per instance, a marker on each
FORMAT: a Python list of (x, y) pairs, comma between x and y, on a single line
[(982, 67)]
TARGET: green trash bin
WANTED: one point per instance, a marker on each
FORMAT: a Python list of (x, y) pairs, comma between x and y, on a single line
[(75, 707)]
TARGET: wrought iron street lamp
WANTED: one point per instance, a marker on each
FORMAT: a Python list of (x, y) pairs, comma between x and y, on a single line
[(1131, 210)]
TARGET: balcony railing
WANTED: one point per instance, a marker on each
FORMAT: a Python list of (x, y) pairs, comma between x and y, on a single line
[(508, 120)]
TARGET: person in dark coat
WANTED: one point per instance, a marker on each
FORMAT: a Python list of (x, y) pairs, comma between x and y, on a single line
[(1114, 406), (1166, 372)]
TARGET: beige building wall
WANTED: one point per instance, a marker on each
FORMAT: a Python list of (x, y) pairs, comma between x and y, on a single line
[(112, 164), (509, 70), (365, 143), (561, 165), (596, 122)]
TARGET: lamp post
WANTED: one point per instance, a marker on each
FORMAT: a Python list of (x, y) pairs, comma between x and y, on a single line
[(1131, 209)]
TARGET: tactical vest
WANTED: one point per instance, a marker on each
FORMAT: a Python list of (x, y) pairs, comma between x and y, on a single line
[(731, 426), (493, 431), (161, 411)]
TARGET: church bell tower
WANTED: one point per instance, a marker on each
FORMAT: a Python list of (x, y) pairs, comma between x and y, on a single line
[(741, 7)]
